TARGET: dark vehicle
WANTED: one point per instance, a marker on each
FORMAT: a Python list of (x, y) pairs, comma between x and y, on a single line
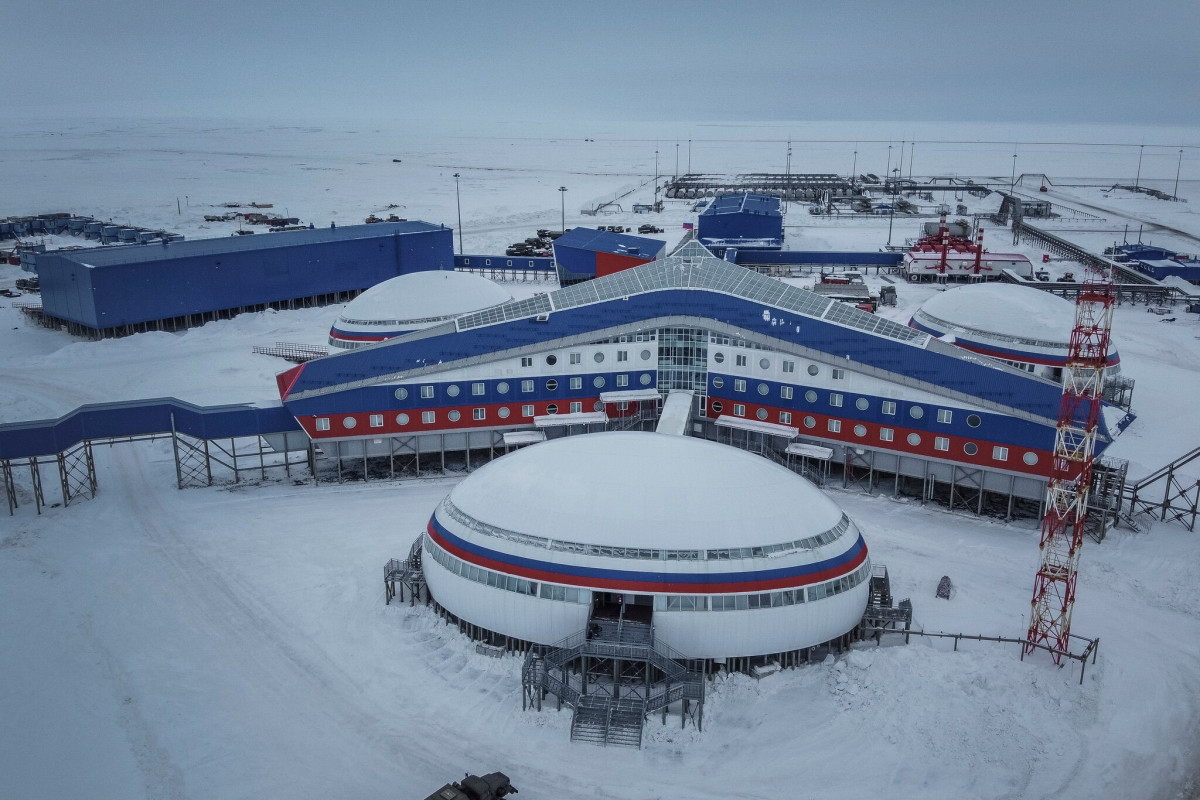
[(649, 229), (1044, 188), (615, 228), (493, 786)]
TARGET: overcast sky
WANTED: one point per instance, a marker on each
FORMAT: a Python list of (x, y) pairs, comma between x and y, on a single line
[(1099, 61)]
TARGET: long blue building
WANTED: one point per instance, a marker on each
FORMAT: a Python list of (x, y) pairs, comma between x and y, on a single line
[(110, 290)]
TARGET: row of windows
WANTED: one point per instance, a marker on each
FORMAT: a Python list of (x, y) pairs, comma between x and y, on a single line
[(479, 388), (477, 414), (577, 358), (487, 262), (885, 434), (510, 583), (749, 602), (764, 551), (836, 400)]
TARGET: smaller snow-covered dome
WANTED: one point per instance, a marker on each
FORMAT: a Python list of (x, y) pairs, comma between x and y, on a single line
[(411, 302)]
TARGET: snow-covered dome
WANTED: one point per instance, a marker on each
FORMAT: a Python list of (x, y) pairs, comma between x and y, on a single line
[(1018, 324), (731, 554), (645, 490), (411, 302)]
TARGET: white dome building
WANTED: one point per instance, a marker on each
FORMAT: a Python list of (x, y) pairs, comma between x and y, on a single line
[(1025, 327), (726, 553), (411, 302)]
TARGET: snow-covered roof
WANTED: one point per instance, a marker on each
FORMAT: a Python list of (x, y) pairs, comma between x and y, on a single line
[(1001, 309), (423, 296), (645, 490)]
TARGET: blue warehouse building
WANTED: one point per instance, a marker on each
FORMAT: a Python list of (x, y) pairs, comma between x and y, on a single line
[(741, 220), (582, 253), (116, 290)]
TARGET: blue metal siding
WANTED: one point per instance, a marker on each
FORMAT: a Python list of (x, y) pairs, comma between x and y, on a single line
[(741, 216), (101, 291), (846, 258)]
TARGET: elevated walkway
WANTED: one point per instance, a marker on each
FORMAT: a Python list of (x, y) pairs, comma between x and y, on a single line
[(1169, 494), (676, 413)]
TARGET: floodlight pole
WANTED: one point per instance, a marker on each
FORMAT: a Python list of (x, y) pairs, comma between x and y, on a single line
[(1178, 166), (854, 165), (563, 208), (892, 216), (458, 202), (676, 162), (900, 173), (690, 156), (1012, 183), (912, 149), (656, 177), (1138, 180)]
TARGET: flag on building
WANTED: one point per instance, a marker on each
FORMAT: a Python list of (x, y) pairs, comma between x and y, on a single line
[(687, 226)]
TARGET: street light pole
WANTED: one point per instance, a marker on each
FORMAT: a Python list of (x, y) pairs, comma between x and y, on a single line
[(458, 202), (676, 162), (1175, 194), (689, 156), (1138, 180), (656, 178), (562, 194), (1012, 183), (892, 214)]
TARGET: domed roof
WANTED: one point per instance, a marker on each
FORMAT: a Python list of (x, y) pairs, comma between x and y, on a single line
[(645, 490), (427, 295), (1003, 309)]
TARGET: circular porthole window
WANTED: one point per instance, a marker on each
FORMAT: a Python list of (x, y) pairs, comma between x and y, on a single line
[(765, 363), (763, 389), (862, 404), (646, 355), (599, 357), (552, 408), (552, 359), (718, 381), (1030, 458), (719, 357), (645, 379), (761, 413), (916, 412), (452, 390), (809, 422), (454, 416), (551, 385), (597, 406), (349, 422), (813, 369), (402, 419), (502, 387), (914, 439), (503, 412), (860, 430), (973, 420), (970, 448), (810, 396), (401, 393), (716, 406), (598, 382)]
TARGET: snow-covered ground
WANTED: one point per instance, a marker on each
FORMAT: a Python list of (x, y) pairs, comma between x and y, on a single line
[(233, 642)]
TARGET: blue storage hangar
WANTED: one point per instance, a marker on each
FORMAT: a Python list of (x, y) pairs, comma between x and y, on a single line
[(1158, 262), (582, 253), (116, 290), (746, 220)]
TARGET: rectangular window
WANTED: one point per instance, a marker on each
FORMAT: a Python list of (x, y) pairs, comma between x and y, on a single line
[(741, 361), (623, 405), (839, 374), (377, 420), (527, 411), (785, 392), (835, 400), (944, 415), (886, 434), (576, 358), (941, 443), (479, 413), (622, 380), (739, 385), (888, 407), (789, 366), (576, 383), (428, 417), (835, 426), (478, 388), (322, 423), (526, 361), (1000, 453), (785, 418), (576, 407), (426, 392), (526, 386), (622, 355), (739, 410)]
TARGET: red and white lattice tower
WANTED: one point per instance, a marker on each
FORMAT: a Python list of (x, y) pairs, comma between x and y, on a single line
[(1071, 470)]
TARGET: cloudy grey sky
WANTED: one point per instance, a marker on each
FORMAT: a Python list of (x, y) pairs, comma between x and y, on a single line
[(1099, 61)]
